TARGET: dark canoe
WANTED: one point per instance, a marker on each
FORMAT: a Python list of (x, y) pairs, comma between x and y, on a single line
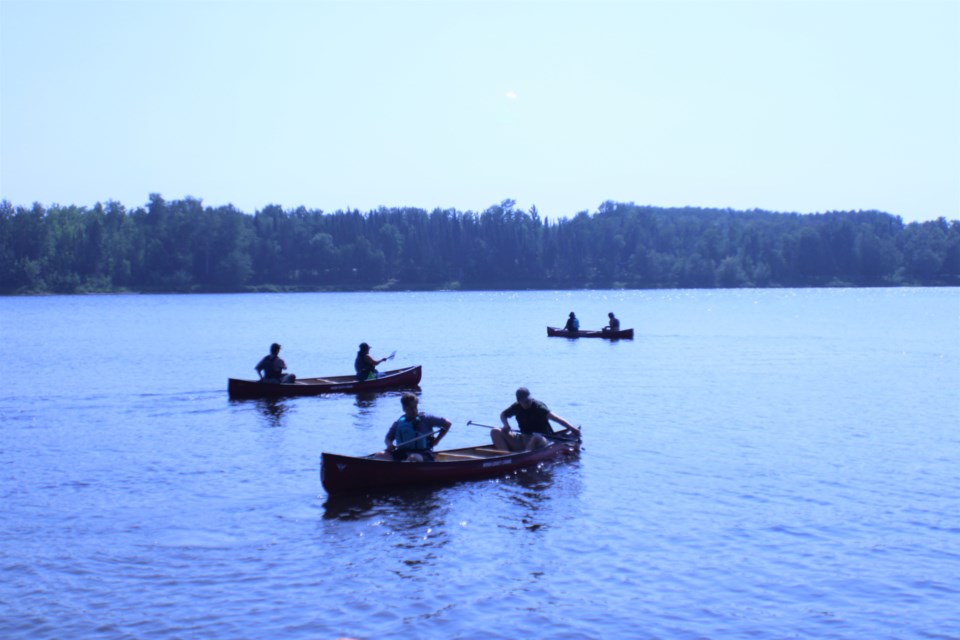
[(622, 334), (398, 378), (340, 474)]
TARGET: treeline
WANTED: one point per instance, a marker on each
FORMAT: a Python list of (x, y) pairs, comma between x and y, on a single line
[(183, 246)]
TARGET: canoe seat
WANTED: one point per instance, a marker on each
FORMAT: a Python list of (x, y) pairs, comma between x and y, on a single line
[(496, 452), (459, 456)]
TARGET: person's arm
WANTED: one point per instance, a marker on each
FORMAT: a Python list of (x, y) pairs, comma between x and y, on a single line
[(260, 367), (559, 420), (506, 413), (444, 425), (391, 434)]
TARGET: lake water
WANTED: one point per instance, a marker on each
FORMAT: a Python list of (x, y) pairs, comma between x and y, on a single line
[(757, 464)]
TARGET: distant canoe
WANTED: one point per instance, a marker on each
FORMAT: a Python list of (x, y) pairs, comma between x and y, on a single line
[(622, 334), (398, 378), (340, 474)]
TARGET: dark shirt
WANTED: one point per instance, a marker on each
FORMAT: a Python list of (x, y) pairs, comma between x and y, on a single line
[(614, 324), (272, 366), (362, 366), (532, 420)]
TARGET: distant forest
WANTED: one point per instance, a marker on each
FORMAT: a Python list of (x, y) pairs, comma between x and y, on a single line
[(182, 246)]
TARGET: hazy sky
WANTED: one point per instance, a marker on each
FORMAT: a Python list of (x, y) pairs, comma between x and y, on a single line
[(803, 106)]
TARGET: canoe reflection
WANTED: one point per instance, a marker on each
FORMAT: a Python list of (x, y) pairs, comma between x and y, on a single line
[(412, 501)]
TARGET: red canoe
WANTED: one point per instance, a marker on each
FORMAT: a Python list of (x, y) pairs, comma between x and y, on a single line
[(398, 378), (339, 474), (621, 334)]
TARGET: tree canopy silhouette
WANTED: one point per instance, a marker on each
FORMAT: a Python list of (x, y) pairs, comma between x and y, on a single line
[(183, 246)]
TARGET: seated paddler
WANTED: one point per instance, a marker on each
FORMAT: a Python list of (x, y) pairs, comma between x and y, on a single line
[(533, 419), (271, 367), (613, 324), (412, 437), (365, 364)]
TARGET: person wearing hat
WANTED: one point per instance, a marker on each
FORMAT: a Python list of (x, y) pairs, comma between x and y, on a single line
[(573, 324), (366, 365), (533, 419), (271, 367)]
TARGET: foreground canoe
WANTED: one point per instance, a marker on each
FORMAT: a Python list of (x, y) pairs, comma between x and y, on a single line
[(340, 474), (622, 334), (396, 379)]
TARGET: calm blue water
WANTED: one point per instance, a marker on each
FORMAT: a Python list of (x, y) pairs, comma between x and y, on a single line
[(757, 464)]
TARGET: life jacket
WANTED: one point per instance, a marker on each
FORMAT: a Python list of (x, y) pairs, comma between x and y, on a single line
[(362, 367), (407, 431)]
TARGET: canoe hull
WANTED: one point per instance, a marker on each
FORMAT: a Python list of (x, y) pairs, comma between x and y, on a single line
[(396, 379), (622, 334), (342, 474)]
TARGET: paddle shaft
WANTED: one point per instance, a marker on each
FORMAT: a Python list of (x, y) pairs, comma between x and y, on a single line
[(553, 436), (477, 424), (422, 435)]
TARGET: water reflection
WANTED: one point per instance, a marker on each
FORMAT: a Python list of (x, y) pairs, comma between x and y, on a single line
[(411, 501), (274, 410), (365, 402), (540, 493), (534, 493)]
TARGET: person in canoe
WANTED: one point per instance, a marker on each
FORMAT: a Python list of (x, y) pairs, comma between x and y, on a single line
[(410, 438), (614, 324), (366, 365), (573, 324), (271, 367), (533, 419)]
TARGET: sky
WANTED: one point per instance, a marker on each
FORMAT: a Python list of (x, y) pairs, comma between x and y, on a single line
[(802, 106)]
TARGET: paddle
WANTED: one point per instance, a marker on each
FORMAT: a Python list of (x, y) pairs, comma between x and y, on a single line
[(551, 436), (422, 435), (376, 363)]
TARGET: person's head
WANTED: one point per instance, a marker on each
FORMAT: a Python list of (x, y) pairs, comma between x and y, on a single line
[(409, 402), (364, 347), (523, 396), (274, 348), (610, 315), (572, 315)]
